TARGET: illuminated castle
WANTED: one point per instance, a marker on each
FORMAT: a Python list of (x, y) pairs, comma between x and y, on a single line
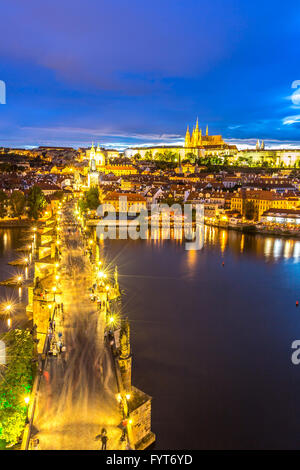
[(197, 139)]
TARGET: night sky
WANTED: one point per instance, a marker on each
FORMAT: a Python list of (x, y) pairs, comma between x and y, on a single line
[(123, 72)]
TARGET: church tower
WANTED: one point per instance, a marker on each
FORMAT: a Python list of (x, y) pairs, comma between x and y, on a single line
[(187, 142), (258, 145), (199, 142), (93, 175), (262, 147), (92, 152)]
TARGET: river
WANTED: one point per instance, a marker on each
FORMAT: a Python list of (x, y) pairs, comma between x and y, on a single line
[(211, 343)]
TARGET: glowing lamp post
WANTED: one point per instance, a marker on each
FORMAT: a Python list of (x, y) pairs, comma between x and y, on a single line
[(54, 291)]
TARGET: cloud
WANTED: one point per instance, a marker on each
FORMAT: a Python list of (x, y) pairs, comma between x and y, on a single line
[(99, 133), (287, 121)]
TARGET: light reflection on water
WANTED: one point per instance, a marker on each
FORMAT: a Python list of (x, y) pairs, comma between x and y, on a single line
[(212, 341), (10, 239), (271, 248)]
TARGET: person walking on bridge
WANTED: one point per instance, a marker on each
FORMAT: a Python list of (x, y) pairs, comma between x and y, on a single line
[(103, 437)]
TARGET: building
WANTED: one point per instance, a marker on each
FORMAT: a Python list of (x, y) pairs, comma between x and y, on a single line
[(100, 154), (93, 174), (259, 202), (197, 140), (124, 202), (281, 217), (273, 157), (197, 143)]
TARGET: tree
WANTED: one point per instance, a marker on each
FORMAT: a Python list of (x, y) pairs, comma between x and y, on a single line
[(91, 199), (3, 204), (16, 384), (191, 157), (36, 202), (17, 203), (249, 210)]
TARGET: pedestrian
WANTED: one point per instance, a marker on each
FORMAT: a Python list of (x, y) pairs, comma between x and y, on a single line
[(103, 437)]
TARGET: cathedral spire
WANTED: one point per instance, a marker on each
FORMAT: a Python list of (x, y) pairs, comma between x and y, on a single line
[(187, 138), (206, 130), (197, 124)]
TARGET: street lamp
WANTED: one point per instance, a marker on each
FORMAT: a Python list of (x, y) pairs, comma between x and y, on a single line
[(54, 291)]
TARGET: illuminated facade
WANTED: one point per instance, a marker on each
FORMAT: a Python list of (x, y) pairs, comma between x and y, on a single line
[(97, 155), (274, 157), (197, 143), (197, 139), (262, 201)]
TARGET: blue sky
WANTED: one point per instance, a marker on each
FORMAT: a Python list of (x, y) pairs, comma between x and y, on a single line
[(129, 72)]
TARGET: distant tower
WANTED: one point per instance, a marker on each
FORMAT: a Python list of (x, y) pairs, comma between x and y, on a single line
[(187, 142), (197, 134), (179, 164), (262, 147), (258, 145), (193, 138), (92, 151), (93, 175), (125, 358), (206, 130), (199, 143)]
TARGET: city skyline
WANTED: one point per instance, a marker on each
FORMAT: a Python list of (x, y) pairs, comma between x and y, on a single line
[(139, 74)]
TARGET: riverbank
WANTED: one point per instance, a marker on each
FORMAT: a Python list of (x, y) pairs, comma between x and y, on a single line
[(254, 229), (16, 223)]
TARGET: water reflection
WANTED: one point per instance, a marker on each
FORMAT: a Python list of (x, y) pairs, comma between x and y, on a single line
[(10, 240), (270, 248)]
